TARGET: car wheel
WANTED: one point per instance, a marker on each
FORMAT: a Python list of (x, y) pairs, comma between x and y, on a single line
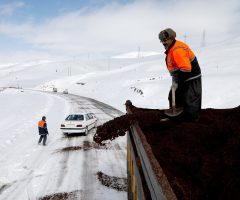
[(86, 131)]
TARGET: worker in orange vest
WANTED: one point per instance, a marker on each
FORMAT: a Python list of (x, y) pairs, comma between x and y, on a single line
[(186, 74), (43, 132)]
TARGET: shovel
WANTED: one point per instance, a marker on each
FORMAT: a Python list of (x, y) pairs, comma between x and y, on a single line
[(173, 112)]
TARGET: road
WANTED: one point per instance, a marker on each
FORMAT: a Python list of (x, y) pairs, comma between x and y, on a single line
[(68, 167)]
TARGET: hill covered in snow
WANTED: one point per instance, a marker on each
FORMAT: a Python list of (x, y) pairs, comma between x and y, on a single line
[(142, 78)]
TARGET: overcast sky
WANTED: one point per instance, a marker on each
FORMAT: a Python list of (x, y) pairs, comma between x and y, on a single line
[(79, 28)]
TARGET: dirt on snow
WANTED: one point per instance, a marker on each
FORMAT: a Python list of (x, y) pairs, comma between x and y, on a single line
[(88, 146), (113, 182), (201, 160), (62, 196)]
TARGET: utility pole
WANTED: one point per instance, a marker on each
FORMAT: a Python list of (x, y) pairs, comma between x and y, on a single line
[(139, 52), (108, 63), (17, 82), (69, 71), (203, 38), (185, 38), (88, 59)]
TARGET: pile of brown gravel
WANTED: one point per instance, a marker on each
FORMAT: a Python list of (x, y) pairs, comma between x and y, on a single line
[(201, 160)]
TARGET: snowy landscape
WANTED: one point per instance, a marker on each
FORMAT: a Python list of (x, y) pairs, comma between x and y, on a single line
[(30, 171), (101, 85)]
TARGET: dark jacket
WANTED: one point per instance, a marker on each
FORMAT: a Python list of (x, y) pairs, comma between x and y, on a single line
[(42, 127)]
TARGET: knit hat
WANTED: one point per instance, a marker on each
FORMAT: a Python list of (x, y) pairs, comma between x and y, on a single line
[(166, 34)]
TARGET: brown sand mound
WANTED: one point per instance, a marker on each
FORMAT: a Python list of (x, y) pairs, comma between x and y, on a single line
[(118, 126), (201, 160)]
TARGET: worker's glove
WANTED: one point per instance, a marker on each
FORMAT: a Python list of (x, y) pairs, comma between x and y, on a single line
[(175, 79)]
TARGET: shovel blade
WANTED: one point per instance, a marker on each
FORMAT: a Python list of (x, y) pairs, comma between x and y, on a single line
[(173, 112)]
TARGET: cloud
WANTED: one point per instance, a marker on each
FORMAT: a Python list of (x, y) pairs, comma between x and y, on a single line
[(116, 28), (8, 9)]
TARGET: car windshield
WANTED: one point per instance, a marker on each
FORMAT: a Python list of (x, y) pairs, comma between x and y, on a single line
[(75, 117)]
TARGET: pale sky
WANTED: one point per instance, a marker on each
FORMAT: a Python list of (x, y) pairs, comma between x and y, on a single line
[(78, 28)]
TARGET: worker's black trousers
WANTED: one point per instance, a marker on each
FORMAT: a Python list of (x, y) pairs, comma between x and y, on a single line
[(44, 137), (189, 96)]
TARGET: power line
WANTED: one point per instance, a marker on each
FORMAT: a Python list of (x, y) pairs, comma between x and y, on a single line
[(203, 39)]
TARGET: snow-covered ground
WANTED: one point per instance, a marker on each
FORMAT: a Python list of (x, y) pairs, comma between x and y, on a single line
[(29, 171), (32, 171)]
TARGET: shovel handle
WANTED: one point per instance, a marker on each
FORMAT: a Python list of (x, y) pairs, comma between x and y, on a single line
[(173, 96)]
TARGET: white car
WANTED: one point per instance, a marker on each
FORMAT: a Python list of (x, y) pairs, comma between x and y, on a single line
[(79, 123), (65, 91)]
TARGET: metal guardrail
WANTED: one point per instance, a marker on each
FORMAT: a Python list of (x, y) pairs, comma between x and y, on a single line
[(155, 181), (135, 187), (154, 187)]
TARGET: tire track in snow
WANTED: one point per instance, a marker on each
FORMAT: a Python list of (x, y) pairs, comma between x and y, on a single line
[(63, 168)]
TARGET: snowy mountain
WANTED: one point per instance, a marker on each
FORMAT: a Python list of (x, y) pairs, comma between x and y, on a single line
[(144, 80)]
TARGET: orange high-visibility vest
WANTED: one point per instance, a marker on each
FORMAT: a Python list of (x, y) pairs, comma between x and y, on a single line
[(41, 123), (179, 57)]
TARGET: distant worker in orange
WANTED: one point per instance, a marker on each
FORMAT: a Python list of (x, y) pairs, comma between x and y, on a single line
[(43, 131), (186, 74)]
